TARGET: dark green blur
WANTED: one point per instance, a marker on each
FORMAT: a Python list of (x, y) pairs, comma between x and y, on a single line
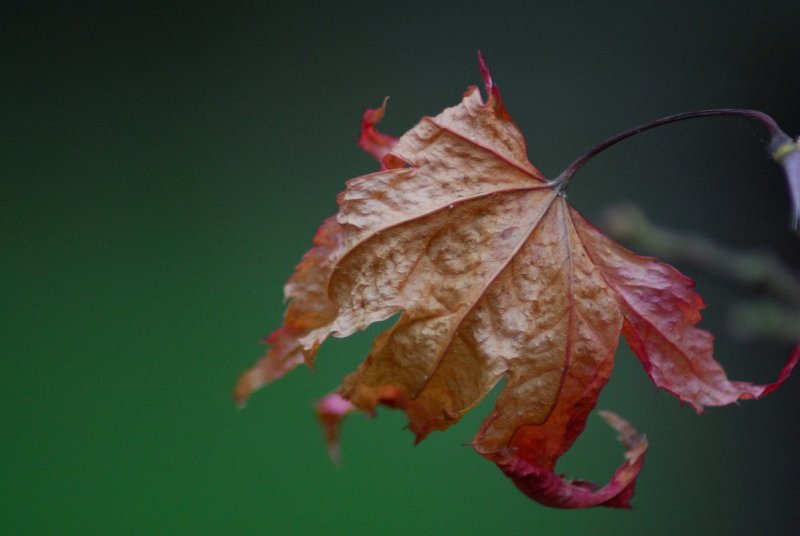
[(162, 169)]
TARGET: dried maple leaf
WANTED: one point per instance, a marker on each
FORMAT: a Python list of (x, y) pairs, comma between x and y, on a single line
[(496, 277)]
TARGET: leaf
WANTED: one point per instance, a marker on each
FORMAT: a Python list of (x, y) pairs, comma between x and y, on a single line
[(374, 143), (495, 277), (331, 410), (547, 488)]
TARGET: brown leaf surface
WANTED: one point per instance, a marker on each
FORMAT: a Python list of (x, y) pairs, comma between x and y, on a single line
[(496, 277)]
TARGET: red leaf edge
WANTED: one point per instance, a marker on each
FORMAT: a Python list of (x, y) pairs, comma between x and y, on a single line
[(492, 91), (373, 142), (546, 487), (784, 374)]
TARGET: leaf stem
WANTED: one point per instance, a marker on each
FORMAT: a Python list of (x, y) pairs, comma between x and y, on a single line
[(778, 136)]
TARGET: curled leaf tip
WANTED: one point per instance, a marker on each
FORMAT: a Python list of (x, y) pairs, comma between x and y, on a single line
[(331, 411), (485, 74), (492, 91), (784, 374), (373, 142), (543, 485)]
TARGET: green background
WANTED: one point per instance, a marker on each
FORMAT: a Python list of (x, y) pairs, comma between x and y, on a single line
[(164, 168)]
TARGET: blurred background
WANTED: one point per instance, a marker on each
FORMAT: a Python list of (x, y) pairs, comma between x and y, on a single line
[(164, 167)]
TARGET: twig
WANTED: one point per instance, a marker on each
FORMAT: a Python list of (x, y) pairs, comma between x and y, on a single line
[(766, 320), (752, 270)]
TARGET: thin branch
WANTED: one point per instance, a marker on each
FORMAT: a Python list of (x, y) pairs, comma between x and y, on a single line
[(754, 270), (778, 136), (765, 320)]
